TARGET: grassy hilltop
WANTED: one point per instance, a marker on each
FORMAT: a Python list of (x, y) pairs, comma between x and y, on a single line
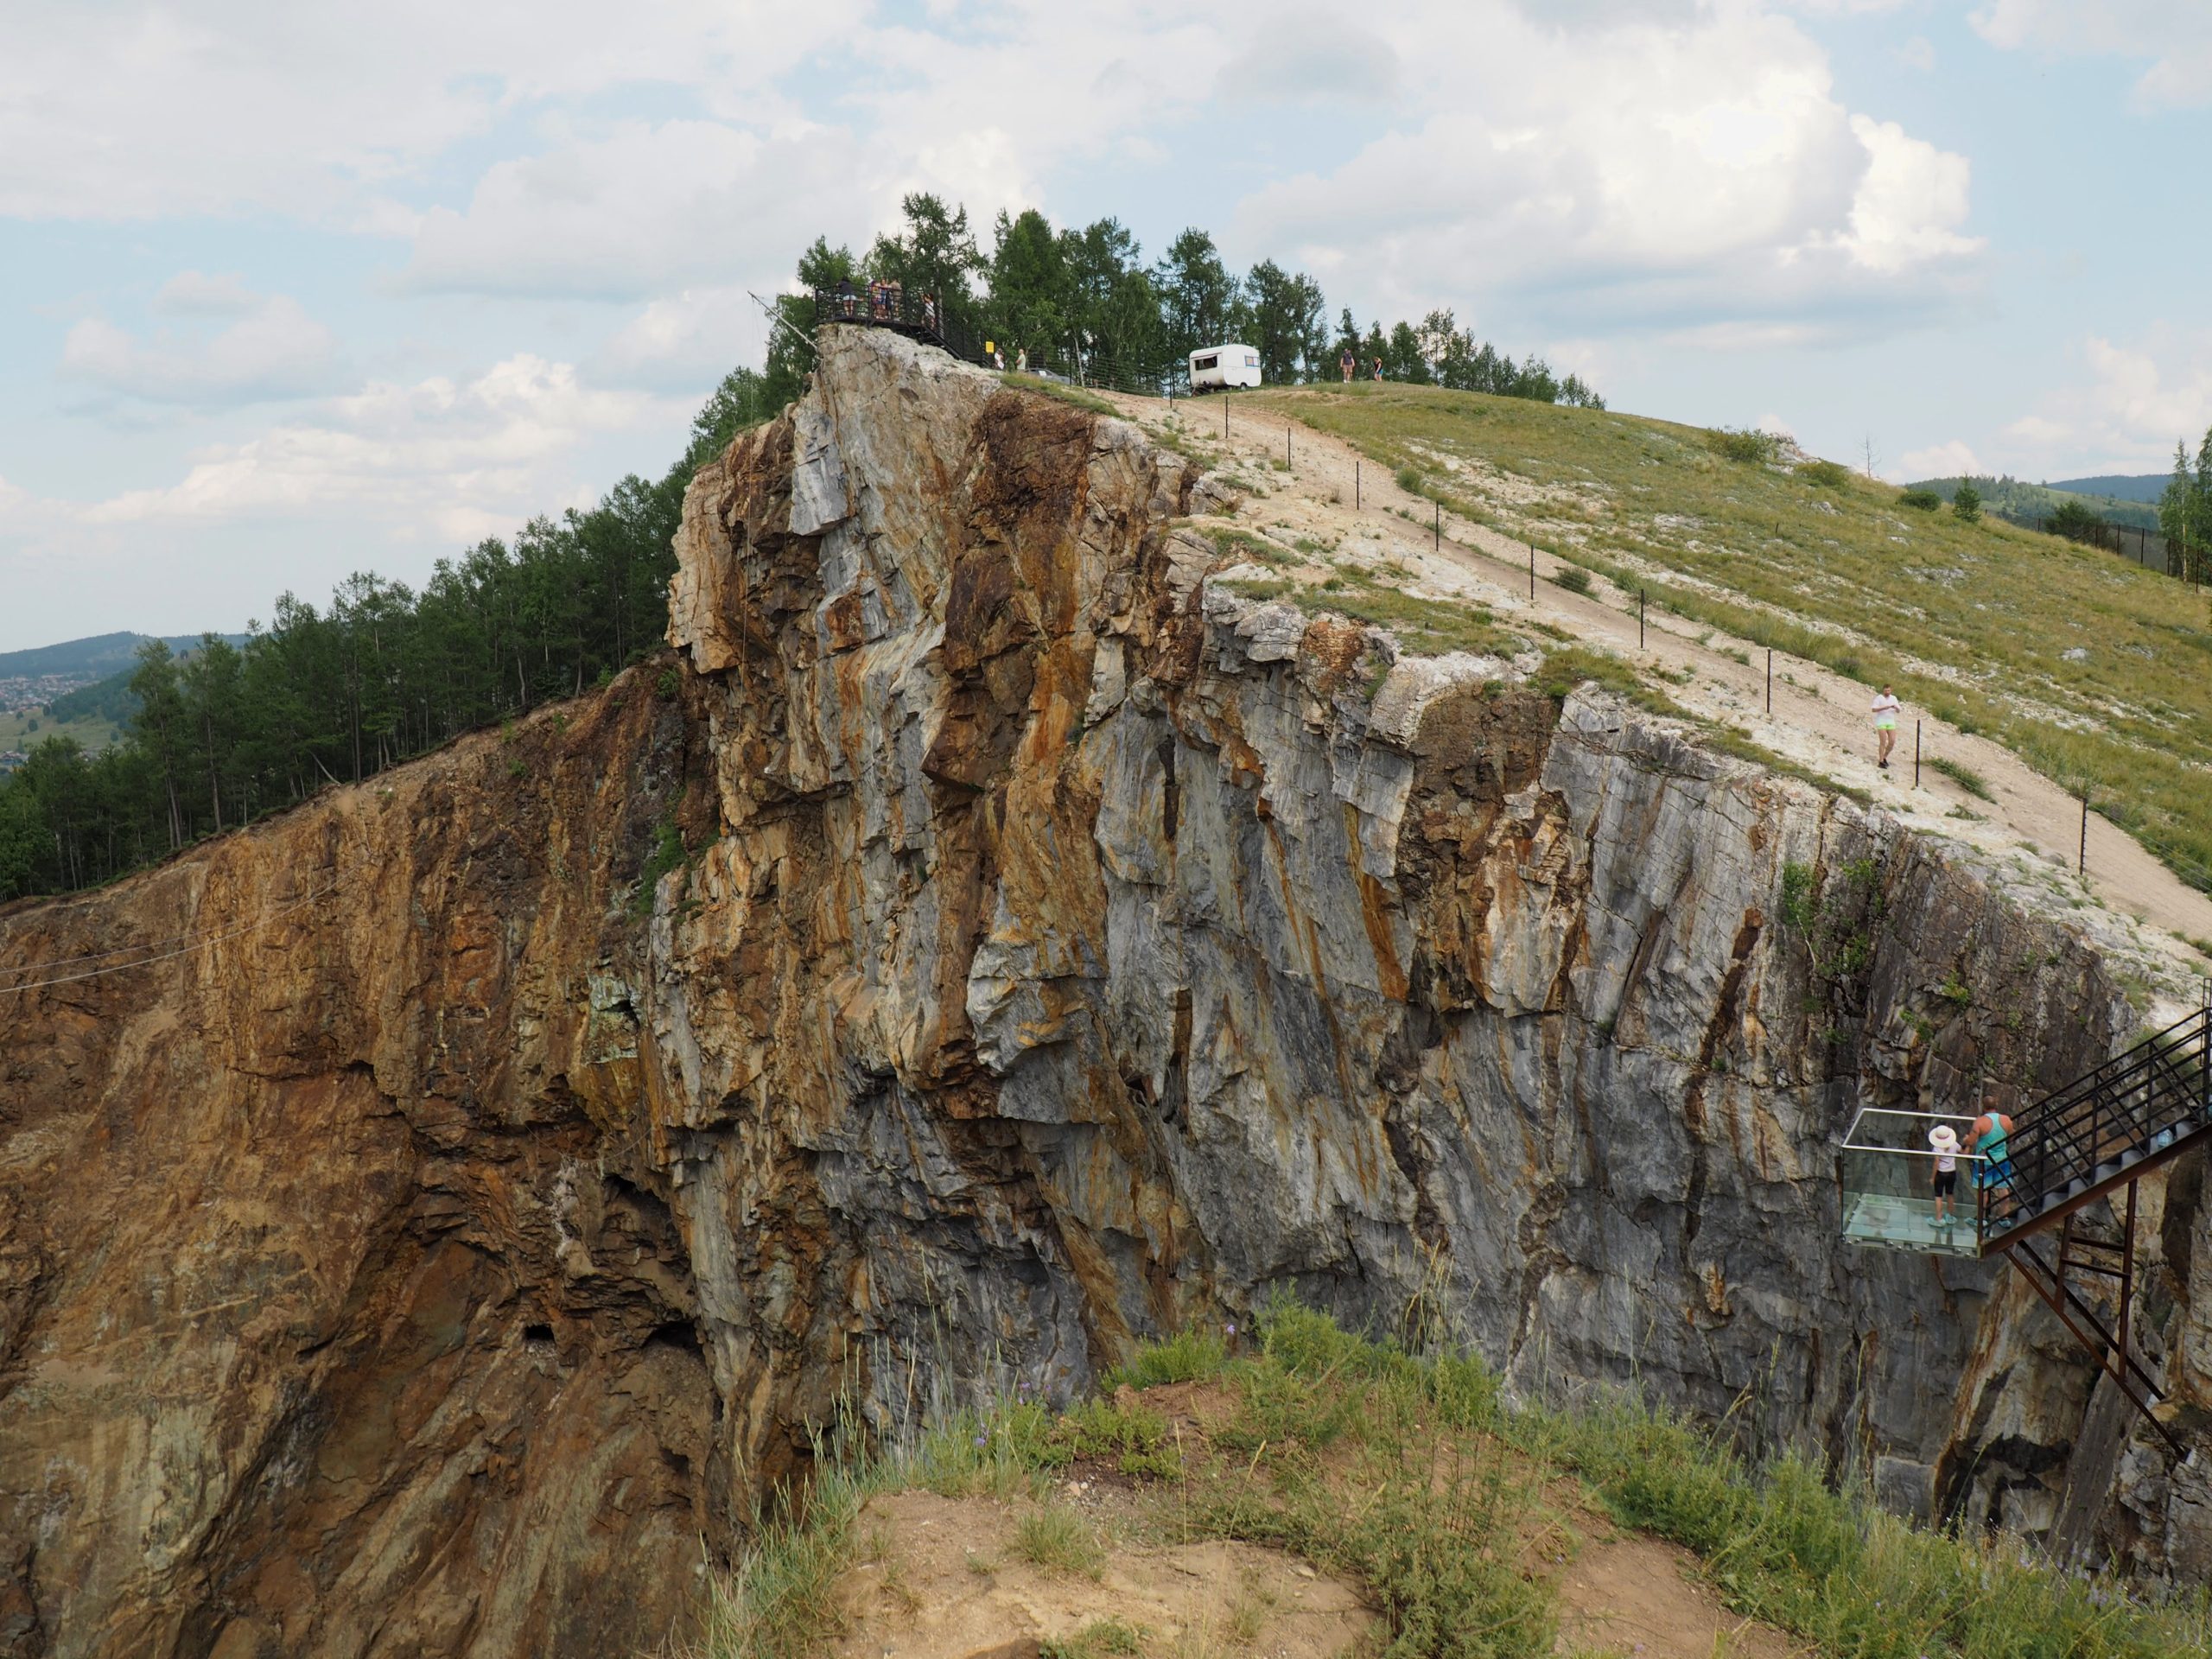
[(2095, 672), (1466, 1526)]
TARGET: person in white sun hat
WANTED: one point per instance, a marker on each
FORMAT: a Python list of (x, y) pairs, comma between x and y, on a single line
[(1945, 1139)]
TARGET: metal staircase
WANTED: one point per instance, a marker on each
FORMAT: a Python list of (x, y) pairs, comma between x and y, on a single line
[(2097, 1137)]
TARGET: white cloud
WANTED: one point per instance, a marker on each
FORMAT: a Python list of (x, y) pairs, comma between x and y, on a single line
[(1951, 460), (1306, 55), (1679, 175), (274, 350), (1917, 54), (1908, 203), (641, 208), (2134, 401), (194, 294), (2175, 37), (434, 456), (144, 111), (683, 343)]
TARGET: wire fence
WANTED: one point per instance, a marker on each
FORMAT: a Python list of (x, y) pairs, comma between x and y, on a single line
[(2139, 545)]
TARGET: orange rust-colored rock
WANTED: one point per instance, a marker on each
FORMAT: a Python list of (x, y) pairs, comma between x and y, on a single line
[(440, 1252)]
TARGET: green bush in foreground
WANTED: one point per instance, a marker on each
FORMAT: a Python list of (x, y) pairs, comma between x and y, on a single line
[(1407, 1472), (1746, 444), (1783, 1545)]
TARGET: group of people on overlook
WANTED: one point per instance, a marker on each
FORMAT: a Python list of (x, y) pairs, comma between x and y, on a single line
[(1990, 1135)]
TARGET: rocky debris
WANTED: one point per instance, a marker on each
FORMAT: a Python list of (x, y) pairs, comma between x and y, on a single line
[(1062, 949)]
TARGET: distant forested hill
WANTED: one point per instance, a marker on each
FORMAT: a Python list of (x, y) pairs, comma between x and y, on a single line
[(2120, 487), (2025, 502), (95, 658), (111, 700)]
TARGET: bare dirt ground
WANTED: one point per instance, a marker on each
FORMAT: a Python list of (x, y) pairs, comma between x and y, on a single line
[(1818, 720), (1632, 1595), (950, 1578)]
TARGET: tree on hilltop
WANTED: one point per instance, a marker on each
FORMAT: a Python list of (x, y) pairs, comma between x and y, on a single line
[(1197, 294), (934, 254), (2185, 512)]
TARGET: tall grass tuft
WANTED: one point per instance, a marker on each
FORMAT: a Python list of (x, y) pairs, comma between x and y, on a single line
[(1187, 1356), (1784, 1545), (782, 1597)]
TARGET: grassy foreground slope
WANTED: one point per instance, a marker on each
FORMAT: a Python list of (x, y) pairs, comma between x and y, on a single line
[(1452, 1511), (2098, 674)]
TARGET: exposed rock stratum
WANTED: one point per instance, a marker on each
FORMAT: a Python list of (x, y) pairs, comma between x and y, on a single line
[(439, 1246)]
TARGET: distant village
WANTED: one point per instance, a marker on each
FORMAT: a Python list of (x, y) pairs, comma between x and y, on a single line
[(28, 694)]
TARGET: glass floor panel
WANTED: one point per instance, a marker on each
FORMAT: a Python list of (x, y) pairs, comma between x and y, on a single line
[(1902, 1223)]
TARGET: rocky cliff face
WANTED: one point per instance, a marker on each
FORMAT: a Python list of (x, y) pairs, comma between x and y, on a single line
[(991, 941)]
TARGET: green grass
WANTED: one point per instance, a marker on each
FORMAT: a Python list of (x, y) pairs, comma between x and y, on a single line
[(1089, 402), (1971, 622), (667, 852), (1102, 1638), (1425, 627), (1184, 1358), (1058, 1539), (91, 733), (1784, 1545), (1964, 776), (782, 1597), (1410, 1475)]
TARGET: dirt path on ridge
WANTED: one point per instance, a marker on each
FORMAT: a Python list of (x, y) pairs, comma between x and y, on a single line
[(1820, 720)]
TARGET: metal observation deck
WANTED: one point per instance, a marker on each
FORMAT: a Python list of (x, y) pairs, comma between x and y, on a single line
[(902, 310), (2095, 1139)]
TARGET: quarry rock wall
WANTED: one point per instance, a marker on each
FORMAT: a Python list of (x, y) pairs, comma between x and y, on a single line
[(989, 941)]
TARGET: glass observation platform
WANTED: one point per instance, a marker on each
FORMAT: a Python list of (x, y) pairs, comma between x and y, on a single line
[(1889, 1184)]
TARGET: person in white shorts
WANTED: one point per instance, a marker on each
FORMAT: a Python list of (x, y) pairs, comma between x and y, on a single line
[(1885, 726)]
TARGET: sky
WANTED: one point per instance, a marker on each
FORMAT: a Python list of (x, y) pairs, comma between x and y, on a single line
[(293, 291)]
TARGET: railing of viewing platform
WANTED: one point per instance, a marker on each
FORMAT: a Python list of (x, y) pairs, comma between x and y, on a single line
[(892, 305), (921, 316)]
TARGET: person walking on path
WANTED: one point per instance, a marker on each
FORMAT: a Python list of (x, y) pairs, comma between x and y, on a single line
[(1885, 726), (1945, 1139), (1348, 364)]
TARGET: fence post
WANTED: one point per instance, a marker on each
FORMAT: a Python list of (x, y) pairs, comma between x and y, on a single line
[(2082, 864), (1770, 679), (1225, 392), (1532, 573), (1916, 754), (1286, 445), (1639, 618), (1436, 535), (1355, 487)]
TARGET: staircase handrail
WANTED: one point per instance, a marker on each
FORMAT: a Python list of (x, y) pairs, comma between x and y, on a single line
[(2139, 1101)]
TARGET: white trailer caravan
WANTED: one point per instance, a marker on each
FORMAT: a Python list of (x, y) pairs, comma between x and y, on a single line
[(1217, 368)]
